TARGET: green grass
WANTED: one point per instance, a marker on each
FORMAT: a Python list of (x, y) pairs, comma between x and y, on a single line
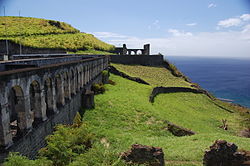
[(78, 41), (26, 26), (123, 116), (41, 33), (155, 76)]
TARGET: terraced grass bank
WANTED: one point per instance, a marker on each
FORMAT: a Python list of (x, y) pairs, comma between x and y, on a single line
[(155, 76), (49, 34)]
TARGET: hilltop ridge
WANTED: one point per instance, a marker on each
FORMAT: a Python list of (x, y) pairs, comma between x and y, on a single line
[(49, 34)]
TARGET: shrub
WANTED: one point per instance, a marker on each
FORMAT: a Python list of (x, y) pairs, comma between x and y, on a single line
[(98, 88), (14, 159), (105, 73), (77, 122), (105, 76), (66, 143), (111, 82)]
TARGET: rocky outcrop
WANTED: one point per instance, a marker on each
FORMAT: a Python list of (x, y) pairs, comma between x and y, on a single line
[(113, 70), (178, 131), (223, 153), (142, 154)]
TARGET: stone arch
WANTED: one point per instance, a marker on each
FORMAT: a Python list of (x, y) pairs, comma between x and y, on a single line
[(49, 100), (59, 90), (17, 112), (66, 78), (35, 103), (77, 78), (85, 75), (72, 82), (139, 52), (88, 72), (133, 53), (81, 76)]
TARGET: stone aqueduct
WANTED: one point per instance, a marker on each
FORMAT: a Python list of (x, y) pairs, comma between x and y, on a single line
[(31, 96)]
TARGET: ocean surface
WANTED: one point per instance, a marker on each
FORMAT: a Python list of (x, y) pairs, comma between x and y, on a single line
[(224, 78)]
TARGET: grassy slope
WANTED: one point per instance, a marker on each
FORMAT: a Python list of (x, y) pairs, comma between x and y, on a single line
[(155, 76), (13, 26), (124, 116), (41, 33), (76, 41)]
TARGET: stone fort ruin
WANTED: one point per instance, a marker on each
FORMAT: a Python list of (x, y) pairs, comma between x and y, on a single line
[(125, 51), (36, 94), (39, 91)]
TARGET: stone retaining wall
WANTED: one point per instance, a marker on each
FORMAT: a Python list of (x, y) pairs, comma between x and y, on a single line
[(146, 60)]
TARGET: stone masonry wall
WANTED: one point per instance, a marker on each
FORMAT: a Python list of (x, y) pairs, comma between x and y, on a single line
[(14, 48), (35, 140), (149, 60)]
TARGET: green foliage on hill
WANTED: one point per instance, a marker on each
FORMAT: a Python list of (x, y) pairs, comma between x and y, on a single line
[(78, 41), (26, 26), (66, 143), (14, 159), (41, 33)]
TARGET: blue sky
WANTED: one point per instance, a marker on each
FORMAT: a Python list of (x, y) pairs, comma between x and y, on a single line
[(173, 27)]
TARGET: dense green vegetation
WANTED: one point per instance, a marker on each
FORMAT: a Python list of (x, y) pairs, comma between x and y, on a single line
[(81, 41), (41, 33), (26, 26), (124, 116)]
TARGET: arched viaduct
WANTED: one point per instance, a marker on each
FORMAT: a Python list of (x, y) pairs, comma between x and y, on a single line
[(34, 99)]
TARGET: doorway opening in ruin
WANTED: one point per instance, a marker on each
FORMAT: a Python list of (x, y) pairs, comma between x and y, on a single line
[(35, 103), (66, 86), (59, 91), (72, 83), (16, 107), (139, 52), (48, 97), (77, 81)]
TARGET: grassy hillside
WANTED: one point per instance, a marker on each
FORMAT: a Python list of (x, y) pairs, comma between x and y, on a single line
[(26, 26), (124, 116), (155, 76), (41, 33), (77, 41)]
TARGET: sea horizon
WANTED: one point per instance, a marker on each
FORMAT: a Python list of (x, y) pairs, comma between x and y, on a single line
[(225, 77)]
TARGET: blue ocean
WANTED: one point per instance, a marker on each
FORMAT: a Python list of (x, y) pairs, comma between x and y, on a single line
[(224, 78)]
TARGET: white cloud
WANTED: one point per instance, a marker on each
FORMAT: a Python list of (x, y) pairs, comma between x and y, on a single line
[(235, 21), (215, 44), (246, 28), (245, 17), (176, 32), (229, 22), (212, 5), (192, 24)]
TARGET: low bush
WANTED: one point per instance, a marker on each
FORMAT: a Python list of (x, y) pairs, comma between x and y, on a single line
[(66, 143), (111, 82), (14, 159), (98, 88), (105, 73)]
